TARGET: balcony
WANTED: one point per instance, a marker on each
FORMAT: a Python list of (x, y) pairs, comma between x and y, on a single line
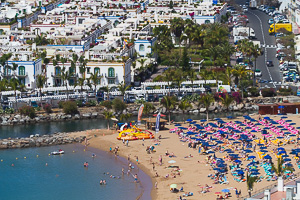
[(22, 74)]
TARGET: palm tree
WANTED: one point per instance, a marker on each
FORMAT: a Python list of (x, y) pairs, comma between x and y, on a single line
[(168, 76), (14, 83), (184, 105), (255, 53), (148, 108), (227, 50), (206, 99), (192, 76), (107, 90), (80, 82), (279, 170), (108, 115), (40, 82), (95, 78), (250, 183), (169, 103), (65, 76), (142, 62), (227, 101), (178, 78), (228, 75), (205, 74), (125, 117), (240, 72), (123, 88)]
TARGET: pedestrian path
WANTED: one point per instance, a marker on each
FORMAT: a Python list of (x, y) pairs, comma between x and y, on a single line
[(269, 46)]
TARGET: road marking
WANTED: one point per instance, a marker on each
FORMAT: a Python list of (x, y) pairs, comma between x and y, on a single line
[(264, 43)]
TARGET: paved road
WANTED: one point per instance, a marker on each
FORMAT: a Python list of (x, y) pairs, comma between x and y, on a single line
[(258, 20)]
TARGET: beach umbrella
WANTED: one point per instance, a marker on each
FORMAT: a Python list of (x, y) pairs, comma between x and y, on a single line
[(162, 115), (287, 133), (280, 149), (240, 172), (258, 124), (284, 156), (235, 142), (292, 135), (266, 128), (217, 193), (189, 120), (298, 128), (288, 165), (280, 106), (263, 147), (255, 173), (217, 119), (268, 157), (211, 152), (219, 142), (183, 128), (284, 129), (280, 137), (253, 120), (237, 161), (172, 161), (242, 125), (173, 186), (230, 117), (267, 118), (264, 151), (260, 144), (225, 190), (292, 123), (298, 138), (248, 151), (177, 125), (203, 120), (284, 117), (248, 127), (192, 122), (288, 120), (252, 157), (279, 126), (253, 131), (286, 159), (238, 122)]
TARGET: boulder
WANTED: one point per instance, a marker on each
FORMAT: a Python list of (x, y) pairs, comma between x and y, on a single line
[(202, 110), (195, 111)]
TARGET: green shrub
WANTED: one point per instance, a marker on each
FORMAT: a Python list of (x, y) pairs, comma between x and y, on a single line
[(119, 105), (27, 111), (9, 111), (268, 92), (60, 104), (107, 104), (253, 91), (70, 107), (79, 103), (47, 108), (92, 103)]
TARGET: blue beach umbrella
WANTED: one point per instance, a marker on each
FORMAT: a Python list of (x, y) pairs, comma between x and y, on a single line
[(298, 128), (248, 127), (267, 118), (288, 120), (284, 156), (268, 157), (252, 157), (240, 172), (248, 151), (265, 151), (263, 147), (279, 126), (280, 149), (253, 131), (292, 123), (237, 161), (189, 120), (183, 128), (266, 128), (284, 117), (292, 135), (279, 137), (230, 117), (177, 124), (203, 120), (286, 159), (255, 173), (225, 190)]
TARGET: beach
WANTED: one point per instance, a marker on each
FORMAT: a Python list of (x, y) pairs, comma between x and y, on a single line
[(194, 169)]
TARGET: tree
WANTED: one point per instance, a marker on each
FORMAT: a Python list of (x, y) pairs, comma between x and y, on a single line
[(256, 51), (227, 101), (206, 100), (123, 88), (178, 78), (125, 117), (250, 183), (169, 103), (142, 62), (185, 60), (279, 170), (148, 108), (184, 105), (108, 115), (95, 78), (177, 26), (40, 82), (65, 76), (14, 83), (119, 105)]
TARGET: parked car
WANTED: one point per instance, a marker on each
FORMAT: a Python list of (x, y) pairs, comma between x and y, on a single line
[(150, 98), (269, 63), (131, 99), (258, 73), (271, 21)]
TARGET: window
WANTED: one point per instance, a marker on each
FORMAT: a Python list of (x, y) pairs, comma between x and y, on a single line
[(57, 71), (72, 82), (142, 47), (111, 81), (88, 70), (207, 21), (111, 72), (8, 71), (21, 71), (97, 70), (22, 81)]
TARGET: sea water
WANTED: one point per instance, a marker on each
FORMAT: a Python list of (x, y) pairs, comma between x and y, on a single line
[(38, 175)]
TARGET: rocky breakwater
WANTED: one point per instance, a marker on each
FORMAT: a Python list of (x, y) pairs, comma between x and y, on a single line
[(38, 141)]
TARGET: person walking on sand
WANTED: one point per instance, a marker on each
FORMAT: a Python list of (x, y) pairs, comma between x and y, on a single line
[(155, 185), (153, 166), (160, 160), (127, 142)]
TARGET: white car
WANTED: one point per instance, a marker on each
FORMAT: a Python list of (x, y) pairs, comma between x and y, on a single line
[(258, 73), (140, 97), (285, 21)]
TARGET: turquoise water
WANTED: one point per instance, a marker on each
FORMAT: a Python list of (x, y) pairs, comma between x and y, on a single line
[(80, 125), (65, 177)]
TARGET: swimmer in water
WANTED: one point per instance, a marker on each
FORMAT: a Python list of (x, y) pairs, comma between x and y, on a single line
[(101, 182), (104, 182), (46, 164), (94, 155)]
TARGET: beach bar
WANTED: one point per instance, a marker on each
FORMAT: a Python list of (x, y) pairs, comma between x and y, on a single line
[(150, 123), (278, 108)]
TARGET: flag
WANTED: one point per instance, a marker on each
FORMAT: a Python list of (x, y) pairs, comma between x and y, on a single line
[(140, 114), (157, 123)]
